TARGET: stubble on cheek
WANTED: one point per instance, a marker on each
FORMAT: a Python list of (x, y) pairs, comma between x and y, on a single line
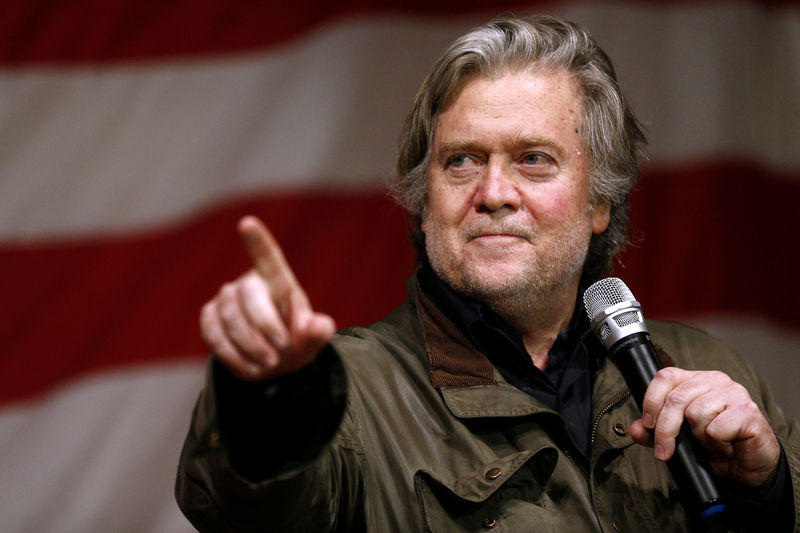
[(517, 284)]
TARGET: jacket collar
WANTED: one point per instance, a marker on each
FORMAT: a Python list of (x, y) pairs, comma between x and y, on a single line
[(454, 361), (470, 385)]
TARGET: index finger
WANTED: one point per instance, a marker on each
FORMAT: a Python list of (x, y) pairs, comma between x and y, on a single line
[(265, 253), (658, 391)]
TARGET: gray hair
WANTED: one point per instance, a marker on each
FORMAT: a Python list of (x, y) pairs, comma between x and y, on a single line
[(611, 136)]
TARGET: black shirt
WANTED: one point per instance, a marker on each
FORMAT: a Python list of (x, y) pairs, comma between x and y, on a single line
[(565, 385)]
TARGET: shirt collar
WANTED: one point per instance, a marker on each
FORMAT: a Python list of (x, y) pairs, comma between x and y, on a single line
[(469, 314)]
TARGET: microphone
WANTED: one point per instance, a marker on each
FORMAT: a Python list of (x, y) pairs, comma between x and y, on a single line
[(616, 318)]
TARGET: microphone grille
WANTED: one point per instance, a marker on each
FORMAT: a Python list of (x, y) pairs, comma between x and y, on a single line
[(605, 293)]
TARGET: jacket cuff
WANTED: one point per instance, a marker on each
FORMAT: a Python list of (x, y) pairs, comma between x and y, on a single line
[(275, 426), (766, 509)]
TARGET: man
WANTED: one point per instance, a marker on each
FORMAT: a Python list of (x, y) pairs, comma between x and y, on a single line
[(483, 401)]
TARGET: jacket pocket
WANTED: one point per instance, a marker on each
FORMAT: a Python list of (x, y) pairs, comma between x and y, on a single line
[(498, 496)]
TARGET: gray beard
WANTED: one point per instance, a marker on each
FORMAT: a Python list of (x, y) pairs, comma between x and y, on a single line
[(536, 292)]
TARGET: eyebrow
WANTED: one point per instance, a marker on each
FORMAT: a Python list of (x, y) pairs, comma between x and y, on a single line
[(523, 140), (519, 141)]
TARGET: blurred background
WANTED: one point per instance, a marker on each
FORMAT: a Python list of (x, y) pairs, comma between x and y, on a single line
[(133, 135)]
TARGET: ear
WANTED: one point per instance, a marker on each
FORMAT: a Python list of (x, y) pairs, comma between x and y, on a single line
[(601, 216)]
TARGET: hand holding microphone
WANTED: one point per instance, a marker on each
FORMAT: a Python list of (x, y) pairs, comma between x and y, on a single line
[(695, 420)]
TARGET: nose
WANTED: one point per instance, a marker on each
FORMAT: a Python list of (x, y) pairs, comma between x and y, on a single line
[(496, 189)]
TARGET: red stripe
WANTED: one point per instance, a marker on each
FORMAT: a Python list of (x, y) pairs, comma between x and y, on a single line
[(716, 238), (81, 307), (100, 30), (712, 238)]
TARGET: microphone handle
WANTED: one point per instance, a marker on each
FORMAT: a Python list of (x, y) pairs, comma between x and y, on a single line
[(638, 363)]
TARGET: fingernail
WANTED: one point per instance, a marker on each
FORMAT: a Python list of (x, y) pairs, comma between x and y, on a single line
[(661, 455), (271, 361), (280, 340), (647, 420)]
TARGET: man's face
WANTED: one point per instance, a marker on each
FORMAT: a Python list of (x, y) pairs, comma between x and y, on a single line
[(508, 189)]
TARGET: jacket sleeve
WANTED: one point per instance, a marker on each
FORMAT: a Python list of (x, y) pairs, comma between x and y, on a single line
[(787, 515), (788, 432), (279, 456)]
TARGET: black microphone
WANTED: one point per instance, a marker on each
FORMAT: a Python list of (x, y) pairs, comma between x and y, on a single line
[(617, 320)]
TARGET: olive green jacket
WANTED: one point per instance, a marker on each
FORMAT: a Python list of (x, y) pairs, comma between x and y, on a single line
[(434, 439)]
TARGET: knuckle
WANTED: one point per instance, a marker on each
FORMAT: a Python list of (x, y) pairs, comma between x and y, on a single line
[(693, 412), (741, 391), (717, 376), (248, 284), (207, 313), (228, 291), (227, 287), (675, 398), (227, 313), (670, 374), (752, 409), (661, 433)]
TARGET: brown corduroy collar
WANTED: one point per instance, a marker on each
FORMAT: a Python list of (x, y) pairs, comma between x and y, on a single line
[(454, 361)]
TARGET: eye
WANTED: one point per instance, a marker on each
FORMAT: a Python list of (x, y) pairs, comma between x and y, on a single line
[(535, 158), (459, 161)]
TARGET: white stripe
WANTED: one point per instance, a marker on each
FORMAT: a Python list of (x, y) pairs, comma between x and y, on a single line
[(98, 455), (92, 151), (708, 78)]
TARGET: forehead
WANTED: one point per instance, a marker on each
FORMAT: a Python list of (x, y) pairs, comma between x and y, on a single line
[(517, 103)]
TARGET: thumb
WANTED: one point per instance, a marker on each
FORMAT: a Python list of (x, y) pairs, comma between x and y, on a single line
[(640, 434), (318, 331), (313, 332)]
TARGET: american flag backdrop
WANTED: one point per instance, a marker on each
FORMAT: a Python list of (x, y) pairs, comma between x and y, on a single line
[(134, 134)]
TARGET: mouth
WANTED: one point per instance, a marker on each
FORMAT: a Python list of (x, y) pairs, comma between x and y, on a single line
[(502, 230), (496, 235), (497, 239), (504, 234)]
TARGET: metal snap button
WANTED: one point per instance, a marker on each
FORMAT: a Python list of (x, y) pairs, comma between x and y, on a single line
[(617, 526), (493, 473), (489, 523), (620, 429)]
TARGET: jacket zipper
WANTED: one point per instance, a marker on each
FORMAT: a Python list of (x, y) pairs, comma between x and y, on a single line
[(575, 462), (619, 399)]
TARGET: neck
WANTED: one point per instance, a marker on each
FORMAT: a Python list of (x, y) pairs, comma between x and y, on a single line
[(539, 320)]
